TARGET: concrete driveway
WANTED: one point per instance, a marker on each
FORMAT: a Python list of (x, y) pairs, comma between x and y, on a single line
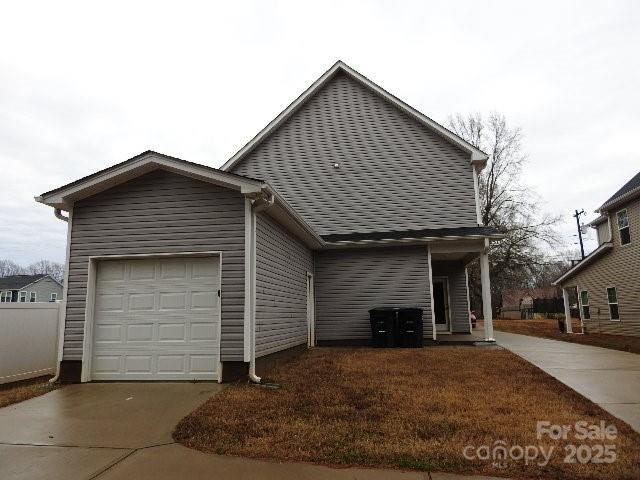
[(610, 378), (80, 431), (117, 431)]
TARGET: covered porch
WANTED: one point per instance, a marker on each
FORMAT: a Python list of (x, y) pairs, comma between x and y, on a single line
[(449, 290)]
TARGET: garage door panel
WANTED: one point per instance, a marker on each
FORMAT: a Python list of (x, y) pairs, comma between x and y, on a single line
[(110, 302), (111, 271), (156, 319), (173, 269), (171, 364), (204, 300), (139, 332), (172, 301), (205, 271)]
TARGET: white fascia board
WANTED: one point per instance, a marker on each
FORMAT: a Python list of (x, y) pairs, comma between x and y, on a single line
[(63, 198), (476, 155)]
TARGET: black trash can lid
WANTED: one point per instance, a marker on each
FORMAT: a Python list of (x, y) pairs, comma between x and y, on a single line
[(395, 309)]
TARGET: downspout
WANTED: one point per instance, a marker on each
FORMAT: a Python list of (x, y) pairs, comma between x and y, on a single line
[(58, 213), (257, 206)]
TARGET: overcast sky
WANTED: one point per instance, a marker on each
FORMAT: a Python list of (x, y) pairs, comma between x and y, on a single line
[(83, 86)]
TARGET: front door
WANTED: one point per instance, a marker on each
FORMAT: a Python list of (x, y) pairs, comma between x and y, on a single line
[(441, 304)]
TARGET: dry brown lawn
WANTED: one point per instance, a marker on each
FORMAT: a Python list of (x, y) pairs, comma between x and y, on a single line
[(403, 408), (549, 329), (15, 392)]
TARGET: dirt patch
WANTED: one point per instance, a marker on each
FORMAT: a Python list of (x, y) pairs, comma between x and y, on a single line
[(15, 392), (549, 329), (400, 408)]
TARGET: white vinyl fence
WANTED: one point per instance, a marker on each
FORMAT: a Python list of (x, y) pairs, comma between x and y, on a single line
[(28, 340)]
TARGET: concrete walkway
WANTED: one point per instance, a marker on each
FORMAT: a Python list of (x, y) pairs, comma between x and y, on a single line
[(610, 378), (121, 431)]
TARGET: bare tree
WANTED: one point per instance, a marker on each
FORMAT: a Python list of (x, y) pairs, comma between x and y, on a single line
[(56, 270), (8, 268), (507, 204)]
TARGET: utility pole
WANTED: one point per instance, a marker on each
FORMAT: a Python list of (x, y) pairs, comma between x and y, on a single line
[(577, 217)]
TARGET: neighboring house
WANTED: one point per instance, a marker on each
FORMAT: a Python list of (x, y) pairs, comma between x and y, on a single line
[(520, 303), (29, 288), (350, 199), (607, 279)]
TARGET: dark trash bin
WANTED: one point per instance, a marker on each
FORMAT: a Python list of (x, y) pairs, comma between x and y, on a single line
[(409, 328), (562, 326), (382, 326), (396, 326)]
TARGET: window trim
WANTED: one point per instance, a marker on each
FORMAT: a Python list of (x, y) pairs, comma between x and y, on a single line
[(582, 305), (33, 295), (52, 295), (617, 302), (3, 297), (626, 212), (10, 293), (22, 296)]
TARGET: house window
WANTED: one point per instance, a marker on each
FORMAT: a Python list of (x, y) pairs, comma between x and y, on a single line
[(32, 297), (3, 297), (584, 301), (23, 297), (623, 227), (612, 298), (54, 297), (8, 297)]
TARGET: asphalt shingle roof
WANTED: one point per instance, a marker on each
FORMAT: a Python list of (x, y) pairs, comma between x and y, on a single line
[(626, 188), (16, 282)]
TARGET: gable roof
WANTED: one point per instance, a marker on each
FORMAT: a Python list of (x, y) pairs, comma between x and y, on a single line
[(476, 156), (582, 264), (627, 191), (597, 221), (16, 282), (63, 197)]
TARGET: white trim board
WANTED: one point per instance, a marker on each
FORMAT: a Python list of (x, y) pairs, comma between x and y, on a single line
[(146, 162)]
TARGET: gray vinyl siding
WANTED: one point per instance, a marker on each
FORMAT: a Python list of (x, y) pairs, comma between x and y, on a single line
[(617, 268), (459, 306), (394, 173), (160, 212), (282, 263), (350, 282), (43, 289)]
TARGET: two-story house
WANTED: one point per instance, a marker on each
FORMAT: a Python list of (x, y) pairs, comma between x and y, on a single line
[(607, 279), (349, 199), (30, 288)]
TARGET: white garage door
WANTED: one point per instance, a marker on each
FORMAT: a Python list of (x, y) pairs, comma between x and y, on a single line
[(156, 319)]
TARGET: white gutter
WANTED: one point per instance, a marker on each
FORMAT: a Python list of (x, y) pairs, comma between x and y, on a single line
[(58, 213), (257, 206)]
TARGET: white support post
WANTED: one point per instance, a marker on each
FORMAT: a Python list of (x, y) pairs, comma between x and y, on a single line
[(433, 314), (486, 294), (567, 311)]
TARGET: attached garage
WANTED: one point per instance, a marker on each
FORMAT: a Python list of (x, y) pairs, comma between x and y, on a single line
[(154, 318)]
